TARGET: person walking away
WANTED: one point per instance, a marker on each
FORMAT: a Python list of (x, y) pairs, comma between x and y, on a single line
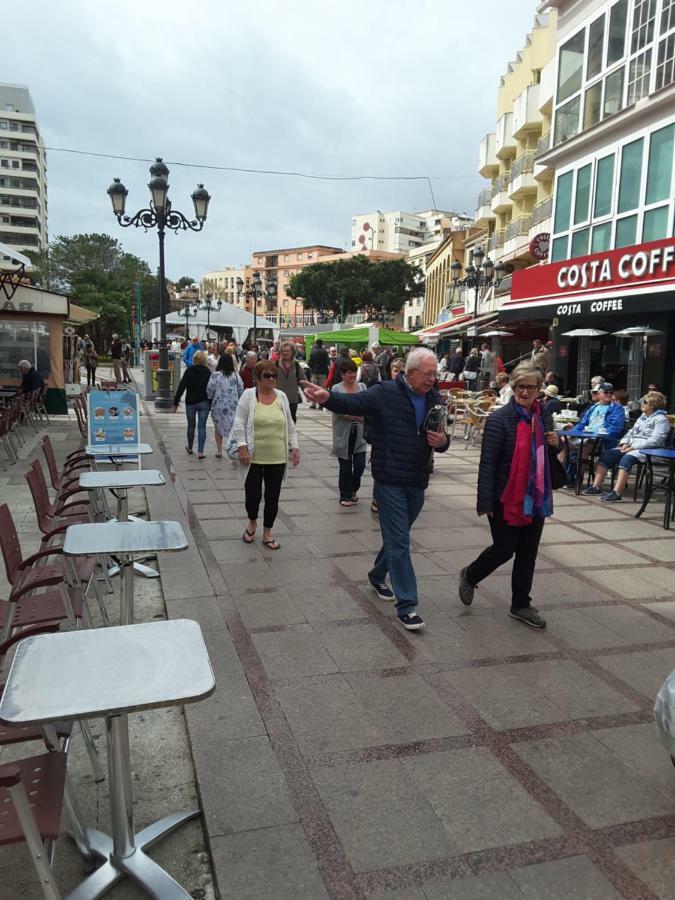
[(541, 356), (193, 384), (289, 376), (514, 492), (456, 364), (349, 444), (368, 373), (224, 389), (319, 363), (246, 373), (486, 361), (402, 448), (126, 360), (264, 433), (90, 363), (471, 367), (116, 356)]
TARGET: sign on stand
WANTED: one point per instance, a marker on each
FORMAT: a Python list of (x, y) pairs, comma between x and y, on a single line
[(113, 417)]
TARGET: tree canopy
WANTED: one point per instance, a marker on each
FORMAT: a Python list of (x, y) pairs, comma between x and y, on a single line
[(355, 284), (184, 282)]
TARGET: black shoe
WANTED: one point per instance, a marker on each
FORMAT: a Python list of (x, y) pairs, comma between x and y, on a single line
[(591, 490), (466, 590), (611, 497), (412, 622), (528, 615), (382, 591), (568, 487)]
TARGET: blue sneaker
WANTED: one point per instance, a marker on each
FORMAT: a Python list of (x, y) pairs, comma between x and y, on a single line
[(412, 622), (591, 489), (382, 590), (611, 497)]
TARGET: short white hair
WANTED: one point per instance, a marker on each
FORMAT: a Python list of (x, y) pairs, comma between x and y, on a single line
[(415, 358), (251, 354), (24, 365)]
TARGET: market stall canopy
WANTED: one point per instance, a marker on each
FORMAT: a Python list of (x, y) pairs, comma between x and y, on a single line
[(364, 336), (228, 316)]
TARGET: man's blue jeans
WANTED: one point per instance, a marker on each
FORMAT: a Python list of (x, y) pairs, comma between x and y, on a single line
[(201, 411), (398, 507)]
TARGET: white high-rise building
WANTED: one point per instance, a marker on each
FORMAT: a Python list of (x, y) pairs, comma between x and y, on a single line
[(23, 172), (402, 232)]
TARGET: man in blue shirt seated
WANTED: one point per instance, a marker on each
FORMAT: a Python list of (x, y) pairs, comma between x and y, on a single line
[(603, 418)]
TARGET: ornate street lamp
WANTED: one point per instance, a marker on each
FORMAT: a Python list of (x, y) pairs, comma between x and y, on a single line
[(189, 314), (208, 306), (480, 273), (161, 216), (255, 291)]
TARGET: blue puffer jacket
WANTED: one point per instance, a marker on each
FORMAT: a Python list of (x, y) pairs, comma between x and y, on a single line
[(401, 454), (615, 423)]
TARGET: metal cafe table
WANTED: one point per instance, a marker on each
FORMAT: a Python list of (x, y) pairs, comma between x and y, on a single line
[(116, 453), (123, 539), (668, 485), (111, 672), (582, 437)]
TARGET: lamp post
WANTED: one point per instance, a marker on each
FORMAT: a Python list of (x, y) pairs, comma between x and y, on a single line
[(208, 306), (189, 314), (161, 216), (255, 291), (480, 273)]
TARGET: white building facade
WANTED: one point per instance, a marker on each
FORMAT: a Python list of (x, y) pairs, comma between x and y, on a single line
[(402, 232), (23, 172), (222, 285)]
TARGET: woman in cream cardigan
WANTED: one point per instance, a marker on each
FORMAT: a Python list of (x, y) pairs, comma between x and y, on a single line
[(264, 432)]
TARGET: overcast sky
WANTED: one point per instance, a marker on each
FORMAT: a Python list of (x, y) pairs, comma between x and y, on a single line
[(380, 87)]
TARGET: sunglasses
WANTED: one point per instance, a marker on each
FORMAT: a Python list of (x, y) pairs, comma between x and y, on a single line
[(268, 375)]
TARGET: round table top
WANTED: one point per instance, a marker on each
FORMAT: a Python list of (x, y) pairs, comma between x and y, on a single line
[(659, 451)]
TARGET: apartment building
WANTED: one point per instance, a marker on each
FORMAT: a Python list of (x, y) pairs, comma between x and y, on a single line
[(612, 260), (402, 232), (222, 285), (23, 172)]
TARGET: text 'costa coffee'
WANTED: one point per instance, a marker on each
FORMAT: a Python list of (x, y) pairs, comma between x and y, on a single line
[(630, 265)]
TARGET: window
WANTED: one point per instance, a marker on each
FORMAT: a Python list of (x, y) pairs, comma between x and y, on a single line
[(613, 93), (566, 121), (626, 232), (604, 178), (660, 165), (644, 15), (638, 76), (580, 242), (570, 66), (596, 35), (559, 249), (592, 105), (3, 125), (583, 194), (601, 237), (655, 224), (617, 31), (629, 176), (667, 15), (665, 65)]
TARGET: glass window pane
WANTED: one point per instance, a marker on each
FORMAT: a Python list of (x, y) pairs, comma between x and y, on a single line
[(563, 202), (617, 31), (629, 177), (592, 105), (644, 15), (559, 249), (596, 34), (603, 186), (570, 66), (580, 242), (583, 194), (665, 68), (655, 224), (613, 93), (626, 232), (638, 76), (660, 168), (567, 121), (602, 235)]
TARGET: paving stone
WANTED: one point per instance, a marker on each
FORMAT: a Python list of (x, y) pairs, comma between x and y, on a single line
[(639, 748), (617, 531), (258, 610), (235, 550), (654, 863), (662, 550), (666, 609), (574, 878), (572, 556), (644, 671), (329, 604), (296, 651), (358, 647), (229, 713), (404, 893), (494, 886), (633, 624), (635, 584), (579, 630), (563, 534)]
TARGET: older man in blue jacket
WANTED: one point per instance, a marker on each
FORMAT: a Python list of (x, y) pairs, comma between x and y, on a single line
[(403, 444)]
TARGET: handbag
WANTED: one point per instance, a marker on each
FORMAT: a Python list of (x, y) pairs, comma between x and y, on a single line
[(231, 449), (559, 477)]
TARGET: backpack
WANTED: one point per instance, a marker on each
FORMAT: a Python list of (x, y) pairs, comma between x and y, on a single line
[(369, 374)]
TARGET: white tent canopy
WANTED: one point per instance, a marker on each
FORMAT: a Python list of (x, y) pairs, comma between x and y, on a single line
[(229, 316)]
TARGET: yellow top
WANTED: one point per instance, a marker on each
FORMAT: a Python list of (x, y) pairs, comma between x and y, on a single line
[(269, 431)]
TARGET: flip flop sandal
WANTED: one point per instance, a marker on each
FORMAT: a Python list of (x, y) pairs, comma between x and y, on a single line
[(272, 544), (250, 534), (345, 502), (373, 507), (355, 499)]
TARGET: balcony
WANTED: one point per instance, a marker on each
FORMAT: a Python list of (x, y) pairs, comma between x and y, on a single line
[(496, 240), (526, 115), (542, 211), (488, 164), (521, 179), (484, 212), (504, 286), (517, 237), (500, 201), (505, 144), (543, 143), (518, 227)]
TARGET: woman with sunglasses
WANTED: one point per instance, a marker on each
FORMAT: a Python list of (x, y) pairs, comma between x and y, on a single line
[(514, 491), (264, 432)]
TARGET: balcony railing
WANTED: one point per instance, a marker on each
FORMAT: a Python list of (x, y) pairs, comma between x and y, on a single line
[(518, 227), (484, 197), (544, 143), (524, 163), (498, 184), (504, 286), (542, 210), (497, 239)]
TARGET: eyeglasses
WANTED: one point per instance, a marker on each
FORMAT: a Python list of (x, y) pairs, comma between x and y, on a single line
[(269, 375), (525, 388)]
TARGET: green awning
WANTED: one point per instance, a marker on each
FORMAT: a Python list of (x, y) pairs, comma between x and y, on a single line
[(358, 338)]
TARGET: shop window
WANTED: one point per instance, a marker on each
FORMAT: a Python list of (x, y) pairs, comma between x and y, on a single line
[(630, 176), (592, 105), (613, 93), (638, 76), (583, 194), (655, 224), (563, 203), (665, 66), (604, 179), (644, 15), (559, 249), (626, 232), (566, 121), (570, 66), (660, 165), (601, 237), (617, 31), (23, 340), (580, 242)]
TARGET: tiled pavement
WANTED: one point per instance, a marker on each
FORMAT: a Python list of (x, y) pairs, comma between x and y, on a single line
[(343, 757)]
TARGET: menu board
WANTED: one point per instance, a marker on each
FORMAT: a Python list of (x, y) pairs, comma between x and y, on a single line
[(113, 417)]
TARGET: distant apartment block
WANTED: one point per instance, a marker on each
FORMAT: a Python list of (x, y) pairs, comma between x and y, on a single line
[(402, 232)]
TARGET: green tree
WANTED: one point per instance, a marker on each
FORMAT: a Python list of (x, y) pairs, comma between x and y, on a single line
[(183, 282), (356, 284)]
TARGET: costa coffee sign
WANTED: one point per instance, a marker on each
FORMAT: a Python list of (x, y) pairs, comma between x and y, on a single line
[(650, 267)]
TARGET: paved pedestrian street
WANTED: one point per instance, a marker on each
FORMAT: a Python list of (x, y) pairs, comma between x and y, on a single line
[(343, 757)]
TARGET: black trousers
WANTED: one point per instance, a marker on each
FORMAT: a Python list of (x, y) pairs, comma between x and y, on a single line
[(508, 541), (351, 469), (294, 411), (271, 477), (91, 376)]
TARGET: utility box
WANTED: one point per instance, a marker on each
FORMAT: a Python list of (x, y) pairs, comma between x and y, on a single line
[(150, 367)]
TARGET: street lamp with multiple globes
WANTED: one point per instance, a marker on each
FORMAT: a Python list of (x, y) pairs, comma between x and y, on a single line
[(189, 314), (480, 273), (161, 216), (208, 306), (255, 291)]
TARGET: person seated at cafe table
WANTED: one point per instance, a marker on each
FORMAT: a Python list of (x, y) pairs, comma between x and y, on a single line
[(650, 431), (604, 418), (504, 388), (550, 399)]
